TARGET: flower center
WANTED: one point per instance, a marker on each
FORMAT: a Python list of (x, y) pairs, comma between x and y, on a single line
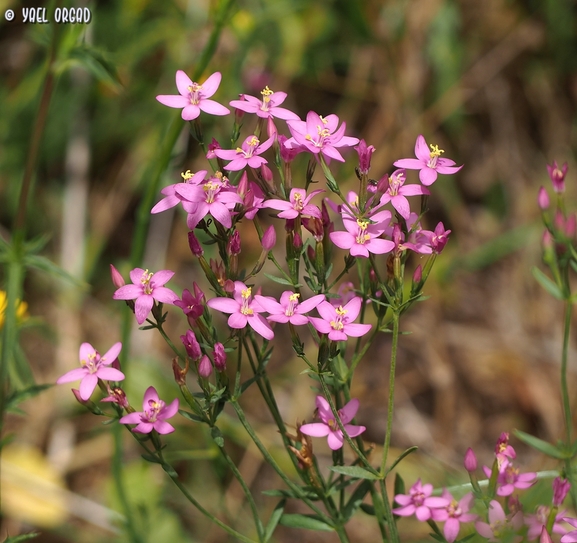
[(293, 302), (244, 308), (362, 235), (248, 148), (434, 155), (418, 498), (145, 282), (395, 183), (454, 510), (194, 91), (211, 190), (186, 175), (154, 407), (266, 92), (92, 363), (298, 202), (337, 324)]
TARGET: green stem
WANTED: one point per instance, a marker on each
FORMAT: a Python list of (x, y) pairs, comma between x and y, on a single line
[(393, 533)]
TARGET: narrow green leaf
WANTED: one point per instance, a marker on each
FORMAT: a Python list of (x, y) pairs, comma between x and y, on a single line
[(151, 458), (23, 537), (356, 499), (355, 471), (96, 62), (44, 264), (190, 416), (368, 509), (282, 281), (284, 493), (540, 445), (401, 456), (274, 520), (306, 522), (20, 396), (547, 283)]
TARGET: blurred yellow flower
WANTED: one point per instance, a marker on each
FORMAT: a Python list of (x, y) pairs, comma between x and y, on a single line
[(21, 310)]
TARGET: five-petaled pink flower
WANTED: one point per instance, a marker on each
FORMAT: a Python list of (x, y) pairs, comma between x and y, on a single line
[(146, 288), (453, 514), (194, 97), (499, 523), (428, 162), (509, 478), (337, 321), (267, 107), (298, 204), (398, 191), (329, 426), (289, 309), (320, 135), (243, 310), (419, 502), (153, 415), (94, 367), (247, 155)]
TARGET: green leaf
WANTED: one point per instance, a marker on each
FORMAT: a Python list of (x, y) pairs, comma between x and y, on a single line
[(368, 509), (23, 537), (284, 493), (282, 280), (356, 499), (399, 484), (401, 456), (274, 520), (44, 264), (306, 522), (20, 396), (217, 436), (96, 62), (541, 446), (547, 283), (355, 471), (190, 416), (151, 458)]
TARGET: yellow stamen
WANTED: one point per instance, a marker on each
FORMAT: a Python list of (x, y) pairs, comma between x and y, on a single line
[(294, 297), (186, 175), (435, 151), (246, 293), (340, 311)]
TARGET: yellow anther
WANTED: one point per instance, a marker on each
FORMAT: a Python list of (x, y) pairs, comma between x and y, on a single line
[(294, 297), (209, 185), (266, 91), (253, 141), (337, 325), (246, 293), (219, 175), (239, 150), (323, 132), (340, 311), (435, 151), (324, 121), (308, 137), (186, 175), (362, 224), (146, 276)]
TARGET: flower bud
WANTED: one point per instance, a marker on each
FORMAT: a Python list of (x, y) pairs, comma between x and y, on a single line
[(117, 279), (212, 147), (557, 176), (191, 345), (364, 153), (243, 185), (560, 490), (470, 461), (233, 245), (269, 238), (195, 246), (571, 226), (205, 367), (314, 226), (418, 274), (543, 199), (219, 357), (286, 153), (545, 537), (297, 241), (228, 286), (311, 253)]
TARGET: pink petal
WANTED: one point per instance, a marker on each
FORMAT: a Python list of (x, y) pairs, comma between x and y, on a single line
[(357, 330), (161, 277), (409, 163), (172, 100), (85, 351), (190, 112), (353, 308), (451, 529), (353, 430), (210, 86), (423, 513), (335, 440), (297, 320), (212, 107), (324, 409), (131, 418), (327, 311), (320, 325), (142, 307), (315, 429), (484, 530), (343, 240), (331, 152), (428, 176), (237, 321), (421, 149), (261, 326), (221, 214), (307, 305), (183, 82), (73, 375), (163, 427), (405, 511), (149, 394), (87, 386), (164, 295), (144, 428), (349, 411), (171, 409), (109, 374)]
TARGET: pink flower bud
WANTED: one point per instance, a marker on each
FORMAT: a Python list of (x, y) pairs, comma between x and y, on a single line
[(117, 279), (243, 186), (314, 226), (297, 241), (570, 225), (269, 238), (286, 153), (116, 395), (543, 199), (266, 175), (195, 246), (271, 128), (418, 274), (364, 153), (228, 286), (560, 490), (545, 537), (191, 345), (219, 357), (76, 393), (557, 176), (397, 234), (212, 147), (205, 367), (547, 241), (233, 245), (470, 461), (311, 253)]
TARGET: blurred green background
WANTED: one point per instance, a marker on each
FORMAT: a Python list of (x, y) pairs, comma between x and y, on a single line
[(494, 83)]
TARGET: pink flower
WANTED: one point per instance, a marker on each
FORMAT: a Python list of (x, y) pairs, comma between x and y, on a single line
[(243, 310), (397, 192), (194, 97), (192, 306), (320, 135), (93, 367), (329, 427), (153, 415), (498, 523), (289, 309), (453, 514), (561, 488), (539, 520), (365, 154), (437, 239), (428, 162), (337, 321), (363, 237), (470, 460), (298, 204), (245, 155), (419, 502), (557, 176), (504, 451), (146, 288), (267, 107), (509, 478), (172, 197), (570, 537)]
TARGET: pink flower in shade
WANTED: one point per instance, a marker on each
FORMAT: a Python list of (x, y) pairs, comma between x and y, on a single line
[(363, 236), (267, 107), (212, 197), (498, 523), (146, 288), (153, 415), (570, 537), (345, 294), (172, 197), (298, 204), (428, 162), (453, 514), (557, 176), (398, 191), (419, 502), (191, 305), (289, 309), (193, 97), (243, 310), (93, 367), (337, 321), (320, 135), (504, 451), (539, 520), (509, 478), (247, 155), (329, 426), (437, 239)]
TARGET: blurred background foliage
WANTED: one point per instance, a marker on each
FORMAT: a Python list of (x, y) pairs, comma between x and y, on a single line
[(494, 83)]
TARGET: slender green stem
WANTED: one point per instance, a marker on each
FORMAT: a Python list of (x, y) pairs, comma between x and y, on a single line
[(393, 533)]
